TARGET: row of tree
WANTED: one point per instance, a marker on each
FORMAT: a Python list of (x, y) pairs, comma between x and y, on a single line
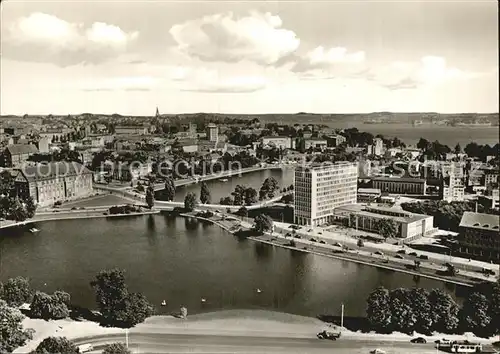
[(408, 310)]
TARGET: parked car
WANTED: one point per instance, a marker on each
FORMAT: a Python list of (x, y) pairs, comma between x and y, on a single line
[(419, 340), (377, 351), (379, 253), (402, 252), (423, 256), (313, 240), (412, 254), (288, 234), (320, 233), (323, 242), (338, 244), (399, 256)]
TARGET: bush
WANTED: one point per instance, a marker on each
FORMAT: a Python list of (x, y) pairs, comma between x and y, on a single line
[(116, 348), (53, 345)]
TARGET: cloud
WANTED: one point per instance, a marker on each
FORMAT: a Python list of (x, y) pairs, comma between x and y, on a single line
[(322, 63), (227, 38), (41, 37), (430, 70)]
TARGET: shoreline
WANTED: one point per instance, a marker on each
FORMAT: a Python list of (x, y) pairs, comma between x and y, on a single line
[(75, 217), (339, 257)]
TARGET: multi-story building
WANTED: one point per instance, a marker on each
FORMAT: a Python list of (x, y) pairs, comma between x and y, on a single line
[(212, 132), (319, 189), (400, 185), (377, 148), (368, 195), (281, 142), (52, 182), (451, 183), (130, 130), (315, 143), (17, 154), (478, 236), (490, 176), (192, 130)]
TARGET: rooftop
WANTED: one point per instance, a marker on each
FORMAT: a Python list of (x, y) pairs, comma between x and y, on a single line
[(480, 221), (18, 149), (53, 170), (399, 179)]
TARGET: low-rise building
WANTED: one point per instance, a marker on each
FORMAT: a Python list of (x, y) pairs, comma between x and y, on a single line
[(131, 172), (315, 143), (366, 218), (478, 236), (399, 185), (368, 195), (52, 182), (336, 140), (280, 142)]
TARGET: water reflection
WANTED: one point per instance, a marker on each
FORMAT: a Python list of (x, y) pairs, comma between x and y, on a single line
[(262, 250)]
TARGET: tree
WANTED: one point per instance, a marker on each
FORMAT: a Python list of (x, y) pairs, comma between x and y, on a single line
[(226, 201), (190, 202), (263, 223), (150, 196), (250, 196), (169, 191), (242, 211), (458, 149), (137, 309), (110, 290), (12, 333), (387, 228), (56, 345), (444, 313), (116, 348), (475, 315), (403, 318), (423, 144), (378, 310), (17, 291), (116, 304), (239, 195), (205, 196), (50, 307), (30, 207), (422, 310)]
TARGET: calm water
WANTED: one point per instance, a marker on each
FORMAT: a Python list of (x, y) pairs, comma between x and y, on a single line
[(220, 189), (182, 260), (444, 134)]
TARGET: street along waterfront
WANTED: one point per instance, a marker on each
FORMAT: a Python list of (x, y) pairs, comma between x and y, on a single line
[(182, 260)]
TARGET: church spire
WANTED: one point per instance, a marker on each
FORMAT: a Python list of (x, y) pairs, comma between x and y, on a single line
[(157, 112)]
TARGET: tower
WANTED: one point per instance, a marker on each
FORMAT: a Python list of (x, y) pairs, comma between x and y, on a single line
[(157, 115)]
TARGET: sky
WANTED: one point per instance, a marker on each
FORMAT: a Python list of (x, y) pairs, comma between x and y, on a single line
[(129, 57)]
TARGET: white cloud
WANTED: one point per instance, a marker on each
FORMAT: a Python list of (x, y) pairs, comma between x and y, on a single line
[(224, 37), (322, 63), (430, 70), (45, 38)]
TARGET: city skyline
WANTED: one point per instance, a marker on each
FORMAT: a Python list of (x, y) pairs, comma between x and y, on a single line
[(248, 57)]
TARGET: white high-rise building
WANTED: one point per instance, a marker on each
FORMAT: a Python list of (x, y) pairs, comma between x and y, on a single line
[(212, 132), (321, 188)]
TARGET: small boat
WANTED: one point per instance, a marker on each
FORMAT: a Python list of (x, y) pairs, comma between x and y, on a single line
[(163, 303), (33, 230), (259, 291), (203, 299)]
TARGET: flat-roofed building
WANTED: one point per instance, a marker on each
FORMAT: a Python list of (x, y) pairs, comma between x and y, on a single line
[(479, 236), (315, 143), (368, 195), (213, 132), (319, 189), (399, 185), (366, 218), (283, 142), (55, 181)]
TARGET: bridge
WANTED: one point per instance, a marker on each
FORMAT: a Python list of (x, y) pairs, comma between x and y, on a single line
[(222, 174)]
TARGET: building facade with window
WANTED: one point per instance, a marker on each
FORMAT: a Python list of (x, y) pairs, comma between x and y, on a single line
[(52, 182), (479, 236), (400, 185), (319, 189)]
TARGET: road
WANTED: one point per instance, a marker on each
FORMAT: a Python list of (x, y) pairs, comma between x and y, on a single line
[(182, 343)]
